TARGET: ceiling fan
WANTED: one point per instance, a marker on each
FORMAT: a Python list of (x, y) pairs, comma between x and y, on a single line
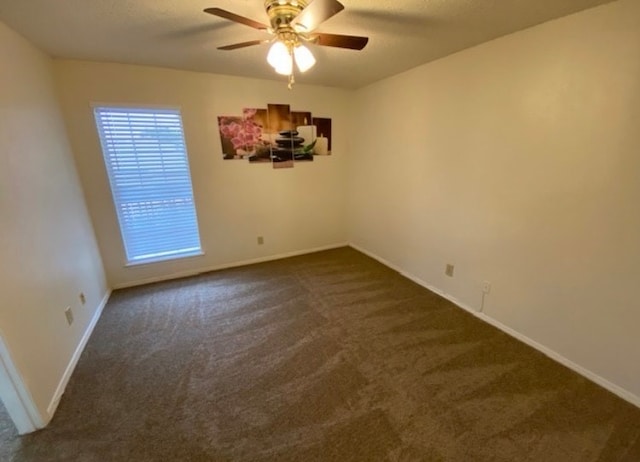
[(292, 24)]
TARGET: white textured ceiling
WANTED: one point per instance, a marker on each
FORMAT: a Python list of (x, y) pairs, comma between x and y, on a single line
[(177, 34)]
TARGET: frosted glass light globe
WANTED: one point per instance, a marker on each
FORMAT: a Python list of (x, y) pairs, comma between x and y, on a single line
[(304, 58)]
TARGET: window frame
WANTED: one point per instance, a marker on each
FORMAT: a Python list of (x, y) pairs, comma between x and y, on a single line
[(167, 257)]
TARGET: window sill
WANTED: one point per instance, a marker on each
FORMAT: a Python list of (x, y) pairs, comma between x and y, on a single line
[(167, 258)]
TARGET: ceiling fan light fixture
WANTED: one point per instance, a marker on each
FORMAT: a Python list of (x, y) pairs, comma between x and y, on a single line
[(286, 69), (279, 55), (292, 23), (304, 58)]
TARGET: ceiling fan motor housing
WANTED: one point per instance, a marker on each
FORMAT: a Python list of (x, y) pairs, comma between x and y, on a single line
[(282, 12)]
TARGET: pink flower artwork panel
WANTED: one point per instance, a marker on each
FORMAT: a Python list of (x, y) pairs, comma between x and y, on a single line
[(240, 136)]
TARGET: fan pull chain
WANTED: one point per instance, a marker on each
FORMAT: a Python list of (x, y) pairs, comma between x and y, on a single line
[(292, 80)]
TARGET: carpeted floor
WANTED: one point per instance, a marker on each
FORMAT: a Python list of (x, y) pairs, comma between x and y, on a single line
[(324, 357), (8, 434)]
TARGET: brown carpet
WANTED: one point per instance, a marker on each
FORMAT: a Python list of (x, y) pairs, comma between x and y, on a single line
[(8, 434), (324, 357)]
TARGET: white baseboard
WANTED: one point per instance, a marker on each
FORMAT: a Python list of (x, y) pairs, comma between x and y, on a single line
[(604, 383), (62, 385), (252, 261)]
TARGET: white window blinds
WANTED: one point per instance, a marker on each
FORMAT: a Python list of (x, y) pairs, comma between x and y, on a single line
[(146, 159)]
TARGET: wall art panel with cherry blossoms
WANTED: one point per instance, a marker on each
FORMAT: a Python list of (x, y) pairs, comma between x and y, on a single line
[(275, 134)]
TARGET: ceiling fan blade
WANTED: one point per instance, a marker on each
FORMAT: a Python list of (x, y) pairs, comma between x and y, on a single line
[(351, 42), (317, 12), (235, 46), (236, 18)]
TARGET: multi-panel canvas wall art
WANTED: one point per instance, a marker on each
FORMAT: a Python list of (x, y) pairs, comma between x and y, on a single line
[(275, 134), (305, 134), (281, 135), (323, 143)]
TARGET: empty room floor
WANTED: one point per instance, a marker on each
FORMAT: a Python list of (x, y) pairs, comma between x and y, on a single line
[(324, 357)]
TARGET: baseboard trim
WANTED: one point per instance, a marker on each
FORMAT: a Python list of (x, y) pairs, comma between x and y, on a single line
[(592, 376), (62, 385), (207, 269)]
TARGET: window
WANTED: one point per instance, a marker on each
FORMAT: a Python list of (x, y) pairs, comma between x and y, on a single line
[(146, 159)]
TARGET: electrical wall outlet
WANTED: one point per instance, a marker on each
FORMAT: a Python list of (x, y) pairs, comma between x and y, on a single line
[(82, 298), (260, 240), (486, 287), (69, 315), (449, 270)]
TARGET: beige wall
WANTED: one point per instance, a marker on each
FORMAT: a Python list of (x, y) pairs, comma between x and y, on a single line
[(518, 162), (294, 209), (49, 253)]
